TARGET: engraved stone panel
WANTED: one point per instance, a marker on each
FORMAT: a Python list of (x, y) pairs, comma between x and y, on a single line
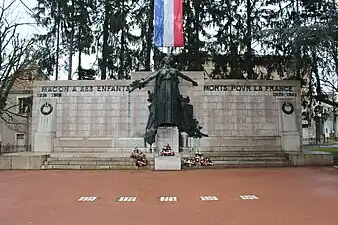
[(105, 108)]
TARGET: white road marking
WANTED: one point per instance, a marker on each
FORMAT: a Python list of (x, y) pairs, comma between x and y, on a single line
[(248, 197), (87, 199), (168, 199), (209, 198), (127, 199)]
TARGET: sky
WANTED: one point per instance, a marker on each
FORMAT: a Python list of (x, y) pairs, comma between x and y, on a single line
[(23, 14)]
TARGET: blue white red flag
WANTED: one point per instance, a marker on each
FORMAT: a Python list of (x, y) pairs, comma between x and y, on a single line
[(168, 27)]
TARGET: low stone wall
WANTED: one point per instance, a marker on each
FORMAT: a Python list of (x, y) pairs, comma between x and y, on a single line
[(34, 161), (312, 159), (22, 161)]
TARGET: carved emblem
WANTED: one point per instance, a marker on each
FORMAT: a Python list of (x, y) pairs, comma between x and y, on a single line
[(288, 108), (46, 109)]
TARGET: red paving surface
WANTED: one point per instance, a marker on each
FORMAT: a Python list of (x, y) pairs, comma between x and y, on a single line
[(287, 196)]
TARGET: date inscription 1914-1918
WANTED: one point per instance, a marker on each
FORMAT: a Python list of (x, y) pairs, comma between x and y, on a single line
[(44, 95)]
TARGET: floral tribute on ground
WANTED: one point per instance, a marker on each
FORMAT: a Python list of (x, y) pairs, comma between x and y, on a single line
[(140, 158), (197, 160), (167, 151)]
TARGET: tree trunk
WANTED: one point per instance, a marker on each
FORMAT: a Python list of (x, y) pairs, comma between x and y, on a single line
[(105, 41), (121, 70), (71, 43), (70, 60), (335, 37), (249, 40), (80, 54), (316, 72), (196, 52), (297, 53), (57, 50), (232, 51), (149, 36), (189, 31)]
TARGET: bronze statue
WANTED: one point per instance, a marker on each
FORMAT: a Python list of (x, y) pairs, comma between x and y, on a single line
[(166, 101), (194, 130), (151, 124)]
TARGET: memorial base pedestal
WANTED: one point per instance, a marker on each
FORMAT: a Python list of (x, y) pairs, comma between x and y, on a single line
[(168, 135), (168, 162)]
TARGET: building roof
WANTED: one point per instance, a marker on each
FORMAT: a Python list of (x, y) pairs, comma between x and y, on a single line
[(25, 81)]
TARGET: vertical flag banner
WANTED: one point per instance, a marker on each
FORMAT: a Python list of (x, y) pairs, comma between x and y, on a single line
[(168, 27)]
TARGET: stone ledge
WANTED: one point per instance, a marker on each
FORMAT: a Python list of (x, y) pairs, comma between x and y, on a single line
[(97, 149), (311, 159), (22, 161), (94, 155), (238, 148), (240, 141)]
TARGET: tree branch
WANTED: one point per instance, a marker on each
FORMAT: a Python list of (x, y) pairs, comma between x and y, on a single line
[(325, 99), (18, 61)]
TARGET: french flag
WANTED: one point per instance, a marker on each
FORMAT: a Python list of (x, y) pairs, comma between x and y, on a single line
[(168, 27)]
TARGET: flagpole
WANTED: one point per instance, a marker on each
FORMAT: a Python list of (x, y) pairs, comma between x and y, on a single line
[(169, 50)]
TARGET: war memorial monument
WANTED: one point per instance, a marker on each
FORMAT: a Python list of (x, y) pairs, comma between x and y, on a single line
[(182, 109)]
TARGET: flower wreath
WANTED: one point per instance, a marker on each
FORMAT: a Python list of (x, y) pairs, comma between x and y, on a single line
[(46, 105), (285, 106)]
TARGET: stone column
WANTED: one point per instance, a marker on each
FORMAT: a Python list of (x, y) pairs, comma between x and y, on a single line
[(184, 139), (290, 135), (196, 144), (43, 137), (167, 135), (335, 125), (190, 142)]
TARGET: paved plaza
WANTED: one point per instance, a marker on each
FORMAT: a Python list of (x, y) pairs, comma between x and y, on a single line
[(280, 196)]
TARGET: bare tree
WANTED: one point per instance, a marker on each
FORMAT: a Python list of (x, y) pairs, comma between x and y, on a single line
[(18, 64)]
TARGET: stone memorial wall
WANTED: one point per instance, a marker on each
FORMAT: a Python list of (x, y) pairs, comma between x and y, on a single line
[(102, 116)]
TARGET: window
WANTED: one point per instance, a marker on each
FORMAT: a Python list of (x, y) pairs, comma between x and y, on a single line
[(20, 139), (25, 104), (20, 136)]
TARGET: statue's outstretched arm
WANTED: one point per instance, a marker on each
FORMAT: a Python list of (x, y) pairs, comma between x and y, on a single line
[(142, 83), (187, 78), (150, 78)]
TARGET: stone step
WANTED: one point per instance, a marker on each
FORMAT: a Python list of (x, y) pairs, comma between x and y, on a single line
[(96, 150), (247, 158), (246, 153), (92, 162), (237, 166), (93, 167), (94, 155), (109, 159), (253, 162), (226, 148), (240, 164)]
